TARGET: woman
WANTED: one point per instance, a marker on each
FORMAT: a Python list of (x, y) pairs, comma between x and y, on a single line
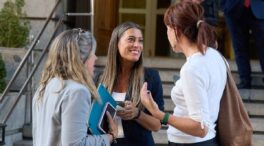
[(62, 103), (197, 93), (123, 76)]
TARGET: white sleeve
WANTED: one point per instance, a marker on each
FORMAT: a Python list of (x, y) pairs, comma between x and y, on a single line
[(194, 90), (74, 116)]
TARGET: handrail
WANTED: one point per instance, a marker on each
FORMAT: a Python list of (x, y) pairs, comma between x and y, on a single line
[(32, 72), (3, 126), (92, 15), (36, 65), (79, 14), (12, 80)]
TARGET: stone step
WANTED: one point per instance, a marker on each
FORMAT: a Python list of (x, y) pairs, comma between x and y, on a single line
[(257, 124), (23, 143), (254, 109), (27, 131), (256, 112), (251, 94), (161, 139), (170, 76), (169, 69), (170, 63)]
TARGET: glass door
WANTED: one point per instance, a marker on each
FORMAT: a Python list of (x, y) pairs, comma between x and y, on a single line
[(148, 14)]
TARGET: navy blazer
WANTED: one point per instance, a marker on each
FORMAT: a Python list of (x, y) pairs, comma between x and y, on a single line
[(257, 7), (135, 134)]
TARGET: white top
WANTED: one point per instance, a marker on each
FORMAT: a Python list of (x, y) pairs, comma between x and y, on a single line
[(119, 97), (197, 94), (60, 119)]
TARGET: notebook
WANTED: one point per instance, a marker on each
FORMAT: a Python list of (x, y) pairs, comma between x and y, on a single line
[(97, 109)]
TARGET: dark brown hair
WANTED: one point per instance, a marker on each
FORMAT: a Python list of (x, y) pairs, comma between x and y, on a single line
[(186, 16)]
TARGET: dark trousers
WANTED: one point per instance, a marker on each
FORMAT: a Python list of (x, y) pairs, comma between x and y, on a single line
[(211, 142), (239, 21)]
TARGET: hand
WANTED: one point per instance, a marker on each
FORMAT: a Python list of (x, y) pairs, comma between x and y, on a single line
[(128, 112), (195, 1), (112, 124), (147, 100)]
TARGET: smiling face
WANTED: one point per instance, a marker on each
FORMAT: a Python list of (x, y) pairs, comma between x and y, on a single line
[(130, 45)]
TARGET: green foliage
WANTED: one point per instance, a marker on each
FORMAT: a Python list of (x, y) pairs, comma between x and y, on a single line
[(2, 75), (14, 31)]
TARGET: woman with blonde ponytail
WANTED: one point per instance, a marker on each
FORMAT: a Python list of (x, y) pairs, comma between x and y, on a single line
[(62, 103), (198, 91)]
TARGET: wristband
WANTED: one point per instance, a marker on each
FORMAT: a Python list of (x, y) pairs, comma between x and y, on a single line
[(138, 115), (165, 119), (114, 138)]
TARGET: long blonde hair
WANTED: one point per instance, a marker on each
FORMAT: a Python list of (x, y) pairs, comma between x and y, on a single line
[(66, 58), (113, 66)]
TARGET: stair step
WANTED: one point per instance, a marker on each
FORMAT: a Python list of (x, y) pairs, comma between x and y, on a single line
[(169, 68), (168, 76), (254, 109), (252, 94), (258, 140), (257, 124), (161, 139), (176, 63), (23, 143), (27, 131)]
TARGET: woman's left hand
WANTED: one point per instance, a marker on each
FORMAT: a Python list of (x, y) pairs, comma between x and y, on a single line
[(129, 112), (147, 100)]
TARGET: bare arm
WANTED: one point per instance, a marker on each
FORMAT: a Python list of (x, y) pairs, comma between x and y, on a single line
[(195, 1), (147, 121), (186, 125)]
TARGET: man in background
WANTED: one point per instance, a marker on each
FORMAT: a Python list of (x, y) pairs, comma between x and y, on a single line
[(243, 17)]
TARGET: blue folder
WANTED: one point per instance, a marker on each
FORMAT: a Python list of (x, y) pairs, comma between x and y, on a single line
[(97, 109)]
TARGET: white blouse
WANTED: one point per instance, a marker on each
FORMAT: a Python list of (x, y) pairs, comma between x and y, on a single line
[(119, 97), (197, 94)]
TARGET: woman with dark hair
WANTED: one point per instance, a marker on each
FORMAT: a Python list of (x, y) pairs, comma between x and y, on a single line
[(198, 91), (123, 76)]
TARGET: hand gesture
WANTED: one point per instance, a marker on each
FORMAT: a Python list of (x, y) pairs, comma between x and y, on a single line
[(195, 1), (147, 100)]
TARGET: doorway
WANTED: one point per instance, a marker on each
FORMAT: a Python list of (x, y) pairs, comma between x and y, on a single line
[(148, 14), (78, 6)]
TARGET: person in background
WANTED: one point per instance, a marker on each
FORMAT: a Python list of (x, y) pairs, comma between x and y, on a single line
[(243, 17), (123, 76), (210, 14), (210, 10), (62, 102), (198, 91)]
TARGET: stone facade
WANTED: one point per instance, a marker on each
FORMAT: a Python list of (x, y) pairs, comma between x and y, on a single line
[(12, 58)]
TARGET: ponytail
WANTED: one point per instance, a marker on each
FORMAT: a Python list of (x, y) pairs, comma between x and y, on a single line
[(206, 36), (188, 17)]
